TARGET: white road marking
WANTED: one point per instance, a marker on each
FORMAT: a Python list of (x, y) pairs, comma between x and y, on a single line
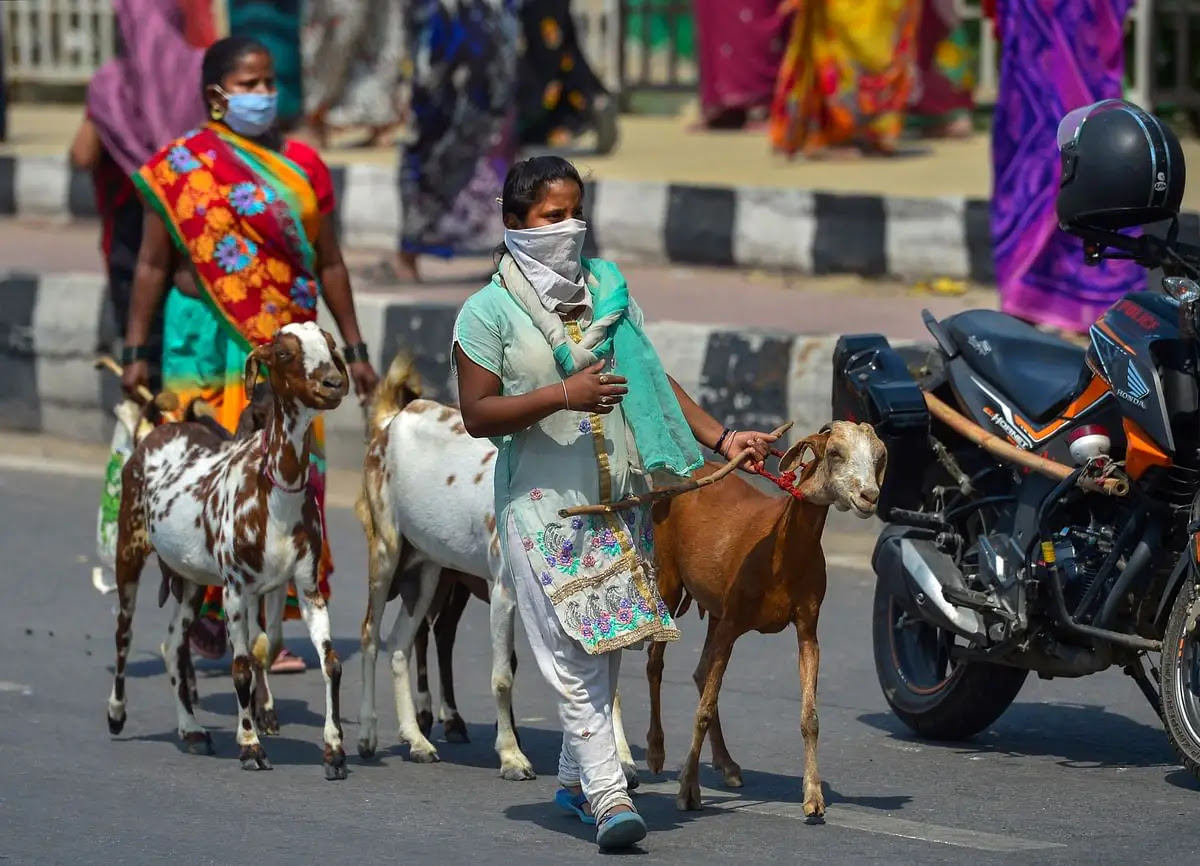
[(6, 686), (46, 465), (848, 561), (35, 465), (78, 469), (49, 466), (851, 818)]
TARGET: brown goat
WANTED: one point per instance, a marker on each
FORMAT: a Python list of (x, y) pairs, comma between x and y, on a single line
[(753, 562)]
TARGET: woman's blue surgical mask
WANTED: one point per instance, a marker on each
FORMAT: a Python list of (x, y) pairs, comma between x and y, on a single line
[(250, 114)]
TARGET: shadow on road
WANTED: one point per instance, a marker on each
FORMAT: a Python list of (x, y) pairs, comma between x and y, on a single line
[(1181, 778), (149, 664), (760, 785), (1080, 736), (281, 751), (657, 808)]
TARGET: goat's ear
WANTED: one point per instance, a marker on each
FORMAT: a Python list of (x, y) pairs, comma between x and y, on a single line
[(250, 374), (795, 455), (792, 456), (881, 465), (340, 363)]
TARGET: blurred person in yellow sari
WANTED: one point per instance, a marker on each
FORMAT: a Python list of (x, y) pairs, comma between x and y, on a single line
[(846, 77)]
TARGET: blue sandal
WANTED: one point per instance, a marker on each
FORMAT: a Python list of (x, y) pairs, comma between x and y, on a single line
[(573, 804), (620, 830)]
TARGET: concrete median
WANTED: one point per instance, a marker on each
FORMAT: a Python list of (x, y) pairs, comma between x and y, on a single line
[(53, 326)]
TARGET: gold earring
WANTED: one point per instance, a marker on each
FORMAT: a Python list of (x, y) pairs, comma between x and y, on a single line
[(215, 111)]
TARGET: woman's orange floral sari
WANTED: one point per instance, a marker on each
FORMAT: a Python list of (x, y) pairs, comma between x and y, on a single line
[(245, 218)]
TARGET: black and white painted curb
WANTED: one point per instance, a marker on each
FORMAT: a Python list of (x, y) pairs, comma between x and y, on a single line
[(53, 326), (768, 228)]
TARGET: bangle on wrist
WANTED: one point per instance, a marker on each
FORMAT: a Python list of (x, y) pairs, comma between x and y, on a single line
[(728, 445), (133, 354), (355, 353), (721, 441), (566, 399)]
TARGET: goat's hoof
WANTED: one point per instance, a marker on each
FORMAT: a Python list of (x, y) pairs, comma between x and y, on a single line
[(198, 742), (688, 799), (731, 774), (518, 772), (424, 756), (814, 811), (425, 723), (455, 730), (631, 776), (267, 722), (366, 749), (335, 765), (115, 726), (655, 758), (254, 757)]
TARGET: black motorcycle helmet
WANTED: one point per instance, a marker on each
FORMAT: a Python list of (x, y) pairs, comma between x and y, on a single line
[(1121, 167)]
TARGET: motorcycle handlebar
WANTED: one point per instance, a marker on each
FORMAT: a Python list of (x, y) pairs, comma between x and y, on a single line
[(1175, 257)]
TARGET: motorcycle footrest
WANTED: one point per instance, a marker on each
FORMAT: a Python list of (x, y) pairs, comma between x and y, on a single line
[(969, 598)]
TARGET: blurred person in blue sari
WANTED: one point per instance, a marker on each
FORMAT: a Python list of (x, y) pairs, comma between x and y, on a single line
[(461, 136)]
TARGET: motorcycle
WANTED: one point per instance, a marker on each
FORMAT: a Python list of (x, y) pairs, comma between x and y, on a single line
[(1042, 503)]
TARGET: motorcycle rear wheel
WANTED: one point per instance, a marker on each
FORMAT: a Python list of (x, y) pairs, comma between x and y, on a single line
[(935, 696), (1179, 684)]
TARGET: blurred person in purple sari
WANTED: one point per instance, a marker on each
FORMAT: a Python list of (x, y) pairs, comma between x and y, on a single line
[(741, 44), (1055, 56)]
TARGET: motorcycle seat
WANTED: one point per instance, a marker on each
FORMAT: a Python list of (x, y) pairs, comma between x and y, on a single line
[(1039, 372)]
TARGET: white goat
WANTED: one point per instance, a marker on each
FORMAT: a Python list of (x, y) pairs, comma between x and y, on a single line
[(241, 515), (427, 496)]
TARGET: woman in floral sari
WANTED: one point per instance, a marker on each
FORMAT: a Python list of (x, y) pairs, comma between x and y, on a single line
[(242, 222), (846, 77)]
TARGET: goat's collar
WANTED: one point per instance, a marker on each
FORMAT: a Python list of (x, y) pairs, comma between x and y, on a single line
[(264, 465), (786, 481)]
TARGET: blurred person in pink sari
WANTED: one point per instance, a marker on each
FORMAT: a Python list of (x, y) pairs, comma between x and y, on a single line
[(741, 44), (943, 89), (146, 96)]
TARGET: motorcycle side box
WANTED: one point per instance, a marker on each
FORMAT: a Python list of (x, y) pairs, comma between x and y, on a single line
[(872, 384)]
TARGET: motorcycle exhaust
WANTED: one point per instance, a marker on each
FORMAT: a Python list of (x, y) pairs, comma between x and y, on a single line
[(914, 571)]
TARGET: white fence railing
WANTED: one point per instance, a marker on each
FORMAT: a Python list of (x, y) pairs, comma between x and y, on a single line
[(65, 41), (56, 41)]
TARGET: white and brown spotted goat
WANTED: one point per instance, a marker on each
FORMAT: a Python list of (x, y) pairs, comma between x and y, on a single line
[(427, 507), (237, 514)]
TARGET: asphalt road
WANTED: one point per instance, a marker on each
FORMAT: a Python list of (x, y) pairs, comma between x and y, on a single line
[(1075, 772)]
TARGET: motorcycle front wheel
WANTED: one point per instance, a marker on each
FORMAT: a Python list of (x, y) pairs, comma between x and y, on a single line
[(1179, 683), (938, 697)]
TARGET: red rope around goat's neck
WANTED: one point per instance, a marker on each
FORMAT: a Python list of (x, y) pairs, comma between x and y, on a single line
[(786, 481)]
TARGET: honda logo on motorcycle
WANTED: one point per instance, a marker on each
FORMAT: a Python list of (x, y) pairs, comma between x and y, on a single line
[(1127, 383)]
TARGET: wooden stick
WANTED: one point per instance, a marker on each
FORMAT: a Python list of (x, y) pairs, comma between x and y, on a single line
[(998, 447), (166, 401), (669, 492)]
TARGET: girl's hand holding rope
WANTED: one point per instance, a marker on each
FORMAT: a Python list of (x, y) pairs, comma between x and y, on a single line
[(691, 484)]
